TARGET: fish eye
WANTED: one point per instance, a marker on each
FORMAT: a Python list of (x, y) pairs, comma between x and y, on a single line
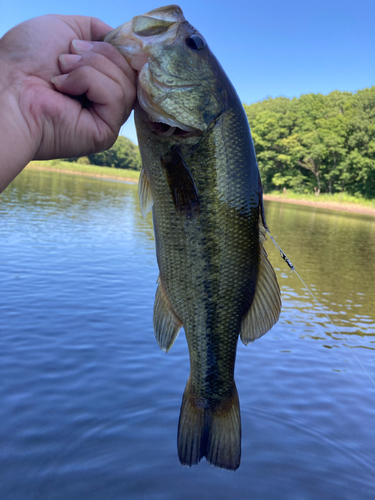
[(195, 42)]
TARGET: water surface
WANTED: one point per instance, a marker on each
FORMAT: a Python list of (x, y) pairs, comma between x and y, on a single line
[(89, 404)]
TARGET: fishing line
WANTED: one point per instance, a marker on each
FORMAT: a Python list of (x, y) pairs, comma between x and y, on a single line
[(292, 268)]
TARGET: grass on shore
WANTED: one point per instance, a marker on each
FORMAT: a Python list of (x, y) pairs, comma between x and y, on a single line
[(67, 166), (342, 198)]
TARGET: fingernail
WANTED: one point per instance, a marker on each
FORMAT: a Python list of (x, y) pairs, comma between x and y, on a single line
[(69, 59), (81, 46), (57, 80)]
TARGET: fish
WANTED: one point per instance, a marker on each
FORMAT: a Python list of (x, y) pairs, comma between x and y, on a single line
[(201, 180)]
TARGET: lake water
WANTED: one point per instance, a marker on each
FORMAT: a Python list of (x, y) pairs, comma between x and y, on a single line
[(89, 404)]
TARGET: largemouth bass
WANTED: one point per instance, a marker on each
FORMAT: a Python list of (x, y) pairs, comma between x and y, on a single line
[(201, 179)]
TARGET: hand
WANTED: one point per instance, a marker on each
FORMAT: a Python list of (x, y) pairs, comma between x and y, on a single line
[(40, 118)]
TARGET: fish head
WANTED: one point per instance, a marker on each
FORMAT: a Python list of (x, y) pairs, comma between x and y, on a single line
[(180, 82)]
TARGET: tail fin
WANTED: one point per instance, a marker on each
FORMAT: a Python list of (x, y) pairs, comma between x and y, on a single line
[(214, 433)]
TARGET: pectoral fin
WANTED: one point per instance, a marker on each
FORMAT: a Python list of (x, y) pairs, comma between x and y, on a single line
[(181, 183), (265, 310), (144, 192), (166, 324)]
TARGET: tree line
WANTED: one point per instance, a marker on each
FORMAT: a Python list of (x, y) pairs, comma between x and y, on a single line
[(123, 154), (321, 143)]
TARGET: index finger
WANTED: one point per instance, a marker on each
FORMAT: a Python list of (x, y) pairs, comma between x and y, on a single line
[(107, 50)]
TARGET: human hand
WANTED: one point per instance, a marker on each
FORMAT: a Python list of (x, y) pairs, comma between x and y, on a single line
[(39, 118)]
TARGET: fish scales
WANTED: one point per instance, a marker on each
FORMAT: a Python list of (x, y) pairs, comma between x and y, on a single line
[(201, 179)]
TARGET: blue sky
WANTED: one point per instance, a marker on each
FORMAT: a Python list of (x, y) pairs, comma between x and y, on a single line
[(268, 48)]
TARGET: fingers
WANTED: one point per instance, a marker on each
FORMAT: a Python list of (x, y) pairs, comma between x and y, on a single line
[(98, 70), (111, 97), (99, 29), (107, 50), (87, 54)]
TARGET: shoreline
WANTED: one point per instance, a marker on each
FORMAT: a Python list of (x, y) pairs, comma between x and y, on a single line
[(327, 205), (85, 174)]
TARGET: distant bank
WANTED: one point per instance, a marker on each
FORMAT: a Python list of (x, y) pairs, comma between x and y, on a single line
[(336, 202), (66, 167), (353, 207)]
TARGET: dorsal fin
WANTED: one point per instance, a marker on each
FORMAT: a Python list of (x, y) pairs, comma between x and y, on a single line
[(265, 310)]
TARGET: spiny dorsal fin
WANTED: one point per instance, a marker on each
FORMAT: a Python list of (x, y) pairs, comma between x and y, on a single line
[(181, 183), (166, 324), (144, 192), (265, 310)]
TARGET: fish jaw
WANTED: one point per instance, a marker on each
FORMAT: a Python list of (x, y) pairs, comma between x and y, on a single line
[(131, 39), (179, 84)]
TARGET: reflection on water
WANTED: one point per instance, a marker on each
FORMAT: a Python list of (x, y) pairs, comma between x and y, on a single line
[(89, 403), (334, 254)]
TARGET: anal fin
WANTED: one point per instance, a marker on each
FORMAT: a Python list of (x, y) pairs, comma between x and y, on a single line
[(166, 324)]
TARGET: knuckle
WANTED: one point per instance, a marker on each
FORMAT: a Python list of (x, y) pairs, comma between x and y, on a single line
[(120, 95), (90, 58)]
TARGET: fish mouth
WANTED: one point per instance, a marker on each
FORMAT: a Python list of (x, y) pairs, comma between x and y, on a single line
[(165, 130), (161, 125)]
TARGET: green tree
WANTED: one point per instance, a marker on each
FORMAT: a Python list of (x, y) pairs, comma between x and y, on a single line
[(123, 154), (321, 142), (358, 167)]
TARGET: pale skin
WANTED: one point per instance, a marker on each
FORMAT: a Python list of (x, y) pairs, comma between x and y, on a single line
[(44, 63)]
